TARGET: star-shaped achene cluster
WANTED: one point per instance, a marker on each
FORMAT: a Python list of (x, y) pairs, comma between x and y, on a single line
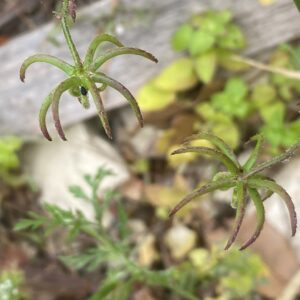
[(84, 78), (246, 181)]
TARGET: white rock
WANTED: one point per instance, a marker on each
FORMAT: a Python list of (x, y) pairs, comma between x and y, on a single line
[(180, 240), (54, 166)]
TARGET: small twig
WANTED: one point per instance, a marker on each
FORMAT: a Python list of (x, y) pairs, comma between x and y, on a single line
[(267, 68)]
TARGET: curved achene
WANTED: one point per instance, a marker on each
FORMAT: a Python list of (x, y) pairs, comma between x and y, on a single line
[(45, 58), (61, 88), (217, 142), (260, 215), (276, 188), (102, 78), (210, 187), (96, 43), (100, 107), (240, 213), (120, 51), (43, 114), (211, 152)]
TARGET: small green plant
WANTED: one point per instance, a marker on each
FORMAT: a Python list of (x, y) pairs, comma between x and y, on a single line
[(210, 38), (11, 285), (9, 160), (246, 180), (83, 75), (113, 250), (235, 274)]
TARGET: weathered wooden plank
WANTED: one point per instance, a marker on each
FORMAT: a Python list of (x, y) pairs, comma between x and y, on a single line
[(19, 103)]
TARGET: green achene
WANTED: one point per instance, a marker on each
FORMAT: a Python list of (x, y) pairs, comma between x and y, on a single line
[(83, 76), (245, 180)]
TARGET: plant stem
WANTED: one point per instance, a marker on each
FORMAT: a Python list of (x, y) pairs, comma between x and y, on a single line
[(258, 65), (67, 34), (284, 156)]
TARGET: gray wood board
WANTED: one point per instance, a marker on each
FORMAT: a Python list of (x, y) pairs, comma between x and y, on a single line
[(150, 28)]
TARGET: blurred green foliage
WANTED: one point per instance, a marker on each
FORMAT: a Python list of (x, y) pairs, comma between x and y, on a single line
[(12, 285), (9, 160), (236, 274), (235, 110), (113, 248)]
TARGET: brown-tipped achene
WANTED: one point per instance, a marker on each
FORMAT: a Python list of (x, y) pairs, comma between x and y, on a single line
[(83, 76), (245, 179)]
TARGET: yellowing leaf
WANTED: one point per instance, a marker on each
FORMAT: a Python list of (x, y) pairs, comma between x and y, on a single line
[(225, 61), (179, 76), (151, 98), (205, 66), (164, 196), (263, 94)]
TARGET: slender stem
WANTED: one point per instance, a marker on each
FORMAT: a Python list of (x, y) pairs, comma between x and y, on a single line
[(67, 34), (267, 68), (278, 159)]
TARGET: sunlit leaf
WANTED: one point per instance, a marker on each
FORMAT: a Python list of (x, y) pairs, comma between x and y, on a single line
[(152, 98), (179, 76), (182, 37), (206, 65), (201, 42), (226, 61), (263, 94), (233, 39)]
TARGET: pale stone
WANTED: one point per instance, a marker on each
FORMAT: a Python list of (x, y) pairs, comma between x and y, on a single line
[(180, 240), (54, 166)]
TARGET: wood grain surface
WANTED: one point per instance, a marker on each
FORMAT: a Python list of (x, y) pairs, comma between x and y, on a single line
[(147, 24)]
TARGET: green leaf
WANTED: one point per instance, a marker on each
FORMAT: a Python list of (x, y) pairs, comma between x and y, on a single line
[(89, 260), (254, 154), (263, 94), (215, 22), (182, 37), (108, 285), (232, 100), (201, 42), (177, 77), (206, 65), (9, 159), (152, 98), (291, 133), (77, 192), (219, 124), (273, 114), (29, 224), (233, 39), (229, 132)]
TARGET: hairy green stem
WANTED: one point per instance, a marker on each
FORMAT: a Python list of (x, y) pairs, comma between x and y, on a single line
[(281, 158), (67, 34)]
